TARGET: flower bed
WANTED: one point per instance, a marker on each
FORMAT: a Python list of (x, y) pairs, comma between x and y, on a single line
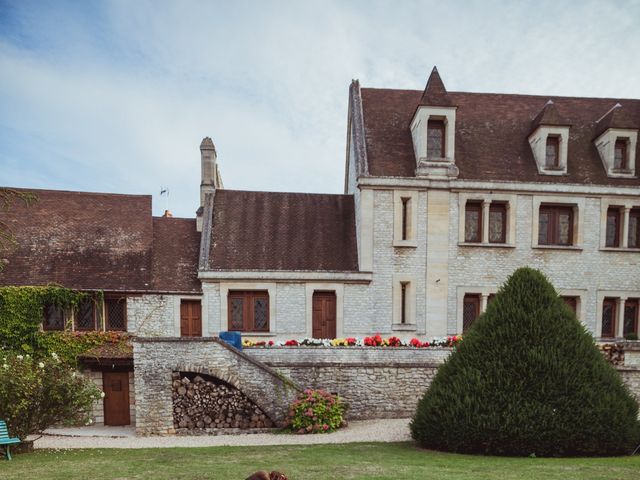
[(373, 341)]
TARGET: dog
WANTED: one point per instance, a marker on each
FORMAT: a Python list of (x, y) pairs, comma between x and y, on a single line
[(262, 475)]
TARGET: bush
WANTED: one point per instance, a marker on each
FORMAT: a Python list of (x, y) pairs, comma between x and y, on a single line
[(37, 394), (527, 379), (316, 411)]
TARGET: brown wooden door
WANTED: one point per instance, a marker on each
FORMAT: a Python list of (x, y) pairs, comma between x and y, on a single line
[(190, 318), (116, 398), (324, 315)]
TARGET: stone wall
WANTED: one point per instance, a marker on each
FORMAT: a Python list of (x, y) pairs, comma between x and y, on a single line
[(376, 382), (156, 360), (585, 271)]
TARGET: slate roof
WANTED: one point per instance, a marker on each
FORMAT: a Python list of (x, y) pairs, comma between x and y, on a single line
[(282, 231), (98, 241), (491, 135)]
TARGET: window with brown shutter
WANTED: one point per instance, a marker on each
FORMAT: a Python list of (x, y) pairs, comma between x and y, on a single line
[(473, 222), (620, 154), (633, 239), (609, 314), (435, 139), (552, 157), (613, 227), (86, 315), (631, 309), (248, 311), (470, 310), (555, 225), (53, 317), (115, 309), (190, 318), (497, 223)]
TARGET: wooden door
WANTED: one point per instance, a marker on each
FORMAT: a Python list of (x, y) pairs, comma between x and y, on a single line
[(324, 315), (190, 318), (116, 398)]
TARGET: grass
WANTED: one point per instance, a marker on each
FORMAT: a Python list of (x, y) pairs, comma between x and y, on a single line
[(309, 462)]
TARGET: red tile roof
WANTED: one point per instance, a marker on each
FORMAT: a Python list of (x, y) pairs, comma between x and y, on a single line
[(491, 135), (283, 231), (98, 241)]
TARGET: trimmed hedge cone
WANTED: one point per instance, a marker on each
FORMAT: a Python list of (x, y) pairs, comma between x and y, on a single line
[(528, 380)]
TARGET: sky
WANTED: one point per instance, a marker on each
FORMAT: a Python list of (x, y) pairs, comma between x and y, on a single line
[(116, 96)]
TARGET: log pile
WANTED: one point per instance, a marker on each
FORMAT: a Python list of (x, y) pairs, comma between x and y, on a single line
[(200, 404)]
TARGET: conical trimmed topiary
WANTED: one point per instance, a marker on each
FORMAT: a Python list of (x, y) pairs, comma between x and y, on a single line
[(528, 379)]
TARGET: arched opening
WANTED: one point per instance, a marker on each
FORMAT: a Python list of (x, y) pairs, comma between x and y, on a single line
[(204, 403)]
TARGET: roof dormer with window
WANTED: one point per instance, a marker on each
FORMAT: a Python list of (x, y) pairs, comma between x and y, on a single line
[(616, 139), (433, 130), (549, 141)]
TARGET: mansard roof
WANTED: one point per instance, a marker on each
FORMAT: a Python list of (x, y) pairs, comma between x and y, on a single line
[(491, 135), (266, 231), (99, 241)]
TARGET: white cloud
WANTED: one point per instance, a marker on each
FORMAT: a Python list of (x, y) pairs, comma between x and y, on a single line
[(118, 99)]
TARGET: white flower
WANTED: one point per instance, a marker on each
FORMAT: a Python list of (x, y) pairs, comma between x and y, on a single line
[(41, 365), (74, 374), (101, 394), (89, 422), (6, 367), (54, 355), (19, 357), (27, 356)]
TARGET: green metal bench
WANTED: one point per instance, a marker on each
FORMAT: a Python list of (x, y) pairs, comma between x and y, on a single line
[(6, 441)]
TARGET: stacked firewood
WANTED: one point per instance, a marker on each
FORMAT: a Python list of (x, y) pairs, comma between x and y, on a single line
[(200, 404), (614, 353)]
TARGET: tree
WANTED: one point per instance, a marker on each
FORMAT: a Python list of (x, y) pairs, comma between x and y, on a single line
[(36, 394), (528, 379)]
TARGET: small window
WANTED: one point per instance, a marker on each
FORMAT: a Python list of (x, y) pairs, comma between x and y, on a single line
[(404, 298), (435, 139), (470, 310), (555, 226), (613, 227), (406, 216), (115, 310), (249, 311), (85, 315), (620, 154), (473, 222), (633, 240), (609, 318), (552, 155), (572, 303), (631, 317), (497, 223), (53, 317)]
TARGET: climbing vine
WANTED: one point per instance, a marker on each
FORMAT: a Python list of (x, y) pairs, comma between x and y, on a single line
[(21, 314), (7, 197)]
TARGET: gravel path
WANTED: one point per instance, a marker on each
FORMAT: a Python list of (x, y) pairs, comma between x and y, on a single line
[(392, 430)]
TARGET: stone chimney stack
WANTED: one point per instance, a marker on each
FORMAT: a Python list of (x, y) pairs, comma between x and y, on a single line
[(208, 159)]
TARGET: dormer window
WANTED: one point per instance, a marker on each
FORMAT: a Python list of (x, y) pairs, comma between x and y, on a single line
[(620, 155), (552, 158), (435, 139)]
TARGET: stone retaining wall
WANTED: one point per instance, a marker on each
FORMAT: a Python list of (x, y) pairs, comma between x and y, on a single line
[(379, 382)]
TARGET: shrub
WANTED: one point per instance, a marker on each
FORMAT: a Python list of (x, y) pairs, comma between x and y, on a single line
[(316, 411), (527, 379), (38, 393)]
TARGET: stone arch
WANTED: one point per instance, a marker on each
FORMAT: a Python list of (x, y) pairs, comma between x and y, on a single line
[(155, 360)]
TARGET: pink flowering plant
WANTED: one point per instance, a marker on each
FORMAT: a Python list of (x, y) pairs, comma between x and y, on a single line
[(316, 411)]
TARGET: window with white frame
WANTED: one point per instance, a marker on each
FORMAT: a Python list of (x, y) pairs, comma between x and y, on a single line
[(486, 219), (404, 302), (621, 227), (405, 207)]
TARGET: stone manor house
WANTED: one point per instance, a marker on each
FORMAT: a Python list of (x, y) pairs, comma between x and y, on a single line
[(445, 195)]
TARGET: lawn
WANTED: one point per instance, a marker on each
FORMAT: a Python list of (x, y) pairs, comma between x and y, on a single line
[(347, 461)]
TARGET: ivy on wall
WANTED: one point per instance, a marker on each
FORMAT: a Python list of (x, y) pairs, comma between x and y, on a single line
[(21, 314)]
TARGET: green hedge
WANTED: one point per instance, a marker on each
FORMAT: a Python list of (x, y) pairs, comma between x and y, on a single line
[(528, 380)]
